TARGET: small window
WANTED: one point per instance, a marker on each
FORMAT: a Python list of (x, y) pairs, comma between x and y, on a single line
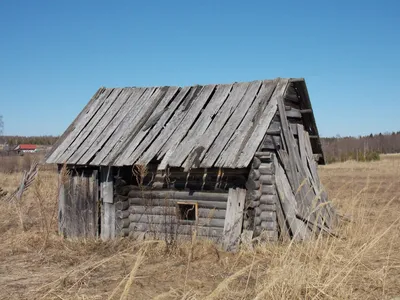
[(187, 211)]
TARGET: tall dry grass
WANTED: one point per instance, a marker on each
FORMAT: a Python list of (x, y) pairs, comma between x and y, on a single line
[(363, 263)]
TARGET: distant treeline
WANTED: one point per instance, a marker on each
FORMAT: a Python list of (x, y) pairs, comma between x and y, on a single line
[(45, 140), (362, 148), (335, 148)]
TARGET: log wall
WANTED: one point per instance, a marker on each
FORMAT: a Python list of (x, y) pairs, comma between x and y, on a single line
[(153, 212)]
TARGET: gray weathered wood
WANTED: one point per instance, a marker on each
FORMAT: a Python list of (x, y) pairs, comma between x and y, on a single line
[(145, 112), (173, 219), (210, 204), (81, 123), (268, 198), (166, 194), (195, 133), (100, 127), (99, 140), (171, 210), (91, 125), (108, 219), (176, 229), (132, 151), (149, 146), (289, 205), (72, 126), (120, 133), (243, 133), (261, 127), (170, 146), (222, 128), (234, 219)]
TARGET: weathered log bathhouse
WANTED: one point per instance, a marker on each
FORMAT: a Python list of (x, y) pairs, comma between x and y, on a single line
[(220, 161)]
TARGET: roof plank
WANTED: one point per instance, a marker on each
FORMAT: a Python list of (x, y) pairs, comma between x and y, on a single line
[(90, 125), (241, 136), (86, 117), (74, 123), (225, 124), (149, 140), (144, 112), (194, 110), (202, 123), (171, 125), (105, 134), (248, 150), (116, 138), (130, 154), (100, 127)]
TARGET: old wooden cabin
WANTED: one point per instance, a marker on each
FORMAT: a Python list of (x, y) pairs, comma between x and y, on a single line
[(217, 160)]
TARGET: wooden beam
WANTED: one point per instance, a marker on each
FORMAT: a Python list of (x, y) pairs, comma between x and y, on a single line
[(233, 219), (108, 209)]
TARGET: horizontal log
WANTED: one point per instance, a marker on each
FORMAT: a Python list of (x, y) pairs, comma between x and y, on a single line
[(254, 174), (270, 226), (184, 195), (252, 184), (172, 202), (169, 219), (253, 195), (306, 111), (121, 198), (123, 223), (270, 235), (124, 232), (294, 113), (268, 207), (125, 189), (176, 229), (174, 172), (267, 179), (271, 142), (158, 185), (256, 163), (257, 221), (171, 210), (268, 189), (268, 216), (254, 203), (266, 169), (268, 199), (122, 205), (122, 214)]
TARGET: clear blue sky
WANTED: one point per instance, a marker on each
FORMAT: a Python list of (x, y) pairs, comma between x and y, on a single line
[(54, 55)]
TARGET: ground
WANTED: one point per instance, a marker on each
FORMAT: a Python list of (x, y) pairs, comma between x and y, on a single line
[(363, 262)]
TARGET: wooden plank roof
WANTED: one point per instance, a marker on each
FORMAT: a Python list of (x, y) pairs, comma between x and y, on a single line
[(201, 126)]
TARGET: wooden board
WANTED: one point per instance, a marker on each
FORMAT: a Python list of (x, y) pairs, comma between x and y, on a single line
[(241, 98), (170, 146), (288, 203), (111, 126), (247, 150), (195, 133), (91, 125), (121, 133), (129, 155), (81, 123), (242, 133), (71, 127), (233, 219), (101, 127), (78, 213)]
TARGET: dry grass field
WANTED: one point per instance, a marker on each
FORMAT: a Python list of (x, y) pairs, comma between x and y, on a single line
[(362, 263)]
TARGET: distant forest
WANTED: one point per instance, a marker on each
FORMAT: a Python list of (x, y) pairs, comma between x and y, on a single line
[(335, 148), (45, 140)]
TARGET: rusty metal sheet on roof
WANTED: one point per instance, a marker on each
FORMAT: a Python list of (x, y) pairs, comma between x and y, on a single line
[(198, 126)]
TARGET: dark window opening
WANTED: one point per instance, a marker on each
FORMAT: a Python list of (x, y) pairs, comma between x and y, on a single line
[(187, 211)]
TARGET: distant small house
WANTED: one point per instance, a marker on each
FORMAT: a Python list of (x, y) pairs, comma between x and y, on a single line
[(26, 148)]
